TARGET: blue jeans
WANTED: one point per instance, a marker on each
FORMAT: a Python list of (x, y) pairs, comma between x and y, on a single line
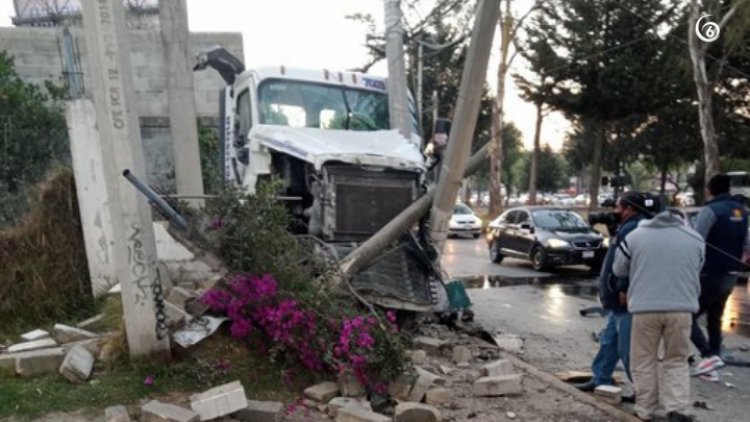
[(614, 345)]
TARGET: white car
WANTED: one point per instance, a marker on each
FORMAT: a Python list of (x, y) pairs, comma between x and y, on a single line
[(562, 200), (582, 199), (464, 222)]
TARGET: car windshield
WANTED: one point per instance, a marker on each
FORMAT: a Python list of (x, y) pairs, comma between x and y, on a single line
[(461, 209), (314, 105), (558, 219)]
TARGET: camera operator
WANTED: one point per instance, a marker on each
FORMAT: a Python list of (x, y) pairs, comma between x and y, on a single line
[(614, 340)]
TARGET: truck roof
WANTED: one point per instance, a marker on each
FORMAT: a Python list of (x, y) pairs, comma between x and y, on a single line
[(325, 76)]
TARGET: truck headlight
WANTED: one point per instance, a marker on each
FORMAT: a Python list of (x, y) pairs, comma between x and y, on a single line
[(558, 243)]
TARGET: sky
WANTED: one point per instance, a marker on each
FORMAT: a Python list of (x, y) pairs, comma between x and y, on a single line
[(316, 34)]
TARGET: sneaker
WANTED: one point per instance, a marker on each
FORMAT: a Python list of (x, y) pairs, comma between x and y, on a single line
[(707, 365), (587, 386), (712, 376), (679, 417)]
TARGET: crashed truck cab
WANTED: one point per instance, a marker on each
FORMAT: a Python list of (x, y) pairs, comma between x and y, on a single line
[(326, 135)]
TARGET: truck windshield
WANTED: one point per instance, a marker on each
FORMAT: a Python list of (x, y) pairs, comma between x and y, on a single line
[(314, 105)]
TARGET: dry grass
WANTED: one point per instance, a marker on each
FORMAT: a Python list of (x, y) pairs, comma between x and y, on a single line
[(44, 273)]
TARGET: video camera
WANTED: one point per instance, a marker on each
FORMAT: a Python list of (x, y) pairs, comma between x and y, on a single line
[(652, 205)]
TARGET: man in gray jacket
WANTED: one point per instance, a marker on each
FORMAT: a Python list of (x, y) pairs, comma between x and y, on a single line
[(663, 260)]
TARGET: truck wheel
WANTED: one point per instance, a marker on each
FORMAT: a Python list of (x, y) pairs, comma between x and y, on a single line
[(539, 258), (495, 255)]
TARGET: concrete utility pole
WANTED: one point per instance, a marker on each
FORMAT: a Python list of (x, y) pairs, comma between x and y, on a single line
[(173, 20), (462, 130), (134, 249), (398, 102)]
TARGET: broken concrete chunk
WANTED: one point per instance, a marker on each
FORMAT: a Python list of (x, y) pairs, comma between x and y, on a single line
[(322, 392), (461, 354), (505, 385), (219, 401), (117, 414), (609, 393), (156, 411), (260, 411), (39, 362), (431, 345), (88, 323), (77, 365), (180, 296), (94, 346), (357, 414), (340, 402), (424, 381), (509, 342), (28, 346), (416, 412), (176, 315), (35, 335), (417, 357), (349, 385), (66, 334), (8, 363), (400, 387), (437, 396), (497, 368)]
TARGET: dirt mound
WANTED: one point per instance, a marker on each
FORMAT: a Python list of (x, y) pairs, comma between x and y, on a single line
[(43, 268)]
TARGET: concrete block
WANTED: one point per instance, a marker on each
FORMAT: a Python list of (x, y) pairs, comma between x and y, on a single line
[(438, 396), (8, 363), (35, 335), (505, 385), (349, 385), (179, 296), (66, 334), (322, 392), (261, 411), (357, 414), (77, 365), (39, 362), (424, 381), (156, 411), (28, 346), (432, 346), (401, 386), (176, 315), (609, 393), (509, 342), (461, 354), (94, 346), (418, 357), (88, 323), (116, 414), (497, 368), (219, 401), (338, 403), (416, 412)]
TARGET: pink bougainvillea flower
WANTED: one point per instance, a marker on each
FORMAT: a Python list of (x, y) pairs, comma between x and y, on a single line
[(148, 381)]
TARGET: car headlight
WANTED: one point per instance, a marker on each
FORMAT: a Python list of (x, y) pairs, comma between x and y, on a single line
[(605, 242), (558, 243), (477, 221)]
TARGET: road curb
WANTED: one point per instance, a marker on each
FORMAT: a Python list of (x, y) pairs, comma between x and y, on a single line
[(553, 381)]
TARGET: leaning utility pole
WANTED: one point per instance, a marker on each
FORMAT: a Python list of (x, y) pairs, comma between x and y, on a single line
[(462, 130), (398, 103), (133, 245), (183, 123)]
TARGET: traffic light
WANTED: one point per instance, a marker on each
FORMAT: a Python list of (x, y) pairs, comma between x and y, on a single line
[(617, 181)]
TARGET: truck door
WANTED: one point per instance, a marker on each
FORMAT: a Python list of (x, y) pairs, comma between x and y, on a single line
[(238, 122)]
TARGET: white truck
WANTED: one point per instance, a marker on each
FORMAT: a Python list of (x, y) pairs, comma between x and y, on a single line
[(346, 173)]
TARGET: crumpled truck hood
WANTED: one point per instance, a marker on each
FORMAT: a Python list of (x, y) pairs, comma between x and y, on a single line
[(385, 148)]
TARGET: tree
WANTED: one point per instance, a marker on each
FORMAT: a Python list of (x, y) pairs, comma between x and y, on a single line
[(554, 171), (33, 136)]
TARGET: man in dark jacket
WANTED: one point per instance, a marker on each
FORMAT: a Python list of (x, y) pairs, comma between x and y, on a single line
[(723, 224), (614, 340)]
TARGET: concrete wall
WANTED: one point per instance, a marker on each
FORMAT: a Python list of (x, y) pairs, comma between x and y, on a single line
[(38, 58)]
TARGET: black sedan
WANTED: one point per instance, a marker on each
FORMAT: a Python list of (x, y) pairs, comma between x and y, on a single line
[(546, 236)]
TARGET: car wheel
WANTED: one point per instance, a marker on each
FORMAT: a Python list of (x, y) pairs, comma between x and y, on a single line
[(596, 266), (476, 235), (495, 255), (539, 258)]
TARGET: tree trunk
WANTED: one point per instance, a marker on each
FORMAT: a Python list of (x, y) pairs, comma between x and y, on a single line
[(467, 192), (596, 170), (703, 87), (663, 187), (533, 177), (398, 105), (496, 151)]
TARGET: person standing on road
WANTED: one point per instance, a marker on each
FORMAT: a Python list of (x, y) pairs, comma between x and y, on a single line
[(663, 260), (614, 339), (723, 223)]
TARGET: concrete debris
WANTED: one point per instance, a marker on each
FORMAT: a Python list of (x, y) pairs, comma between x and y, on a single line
[(115, 290), (357, 414), (66, 334), (400, 387), (430, 345), (745, 347), (219, 401), (509, 342), (39, 362), (416, 412), (424, 381), (28, 346), (260, 411), (196, 330), (35, 335), (497, 368), (180, 296), (176, 315), (156, 411), (77, 365), (506, 385), (609, 393), (417, 357), (91, 322), (116, 414), (438, 396), (338, 403), (461, 354), (349, 385), (463, 365), (94, 346), (510, 415), (322, 392), (446, 370), (8, 363)]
